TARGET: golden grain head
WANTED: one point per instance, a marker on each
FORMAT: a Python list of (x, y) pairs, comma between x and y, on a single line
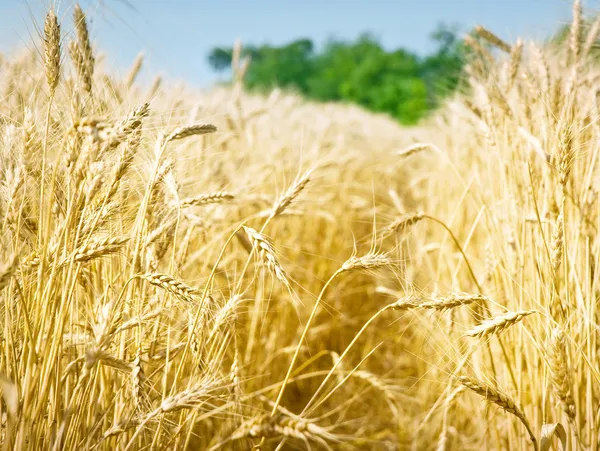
[(52, 50)]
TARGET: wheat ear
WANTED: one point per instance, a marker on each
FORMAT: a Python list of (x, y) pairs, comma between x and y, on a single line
[(52, 50), (502, 400), (492, 39), (439, 303), (171, 285), (267, 253), (497, 325), (205, 199), (290, 194), (402, 223), (560, 375)]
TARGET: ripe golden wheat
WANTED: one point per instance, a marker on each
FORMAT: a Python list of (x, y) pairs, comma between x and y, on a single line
[(171, 282)]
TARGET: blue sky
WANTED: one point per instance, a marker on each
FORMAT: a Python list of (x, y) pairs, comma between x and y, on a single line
[(176, 35)]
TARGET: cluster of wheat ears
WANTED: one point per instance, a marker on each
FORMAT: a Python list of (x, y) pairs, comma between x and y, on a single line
[(226, 271)]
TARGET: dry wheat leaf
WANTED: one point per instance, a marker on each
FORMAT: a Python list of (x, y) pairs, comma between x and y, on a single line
[(548, 433), (10, 394)]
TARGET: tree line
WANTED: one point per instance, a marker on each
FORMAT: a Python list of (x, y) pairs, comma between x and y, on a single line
[(398, 82)]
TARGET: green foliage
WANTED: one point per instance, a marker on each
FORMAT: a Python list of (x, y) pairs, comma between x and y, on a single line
[(395, 82), (220, 59), (287, 67)]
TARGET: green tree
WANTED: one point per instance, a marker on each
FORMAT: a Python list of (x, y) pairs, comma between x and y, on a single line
[(289, 66), (220, 59), (395, 82)]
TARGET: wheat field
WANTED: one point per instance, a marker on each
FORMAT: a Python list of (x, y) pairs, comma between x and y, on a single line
[(192, 270)]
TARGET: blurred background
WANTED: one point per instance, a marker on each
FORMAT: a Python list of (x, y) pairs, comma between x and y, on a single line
[(399, 57)]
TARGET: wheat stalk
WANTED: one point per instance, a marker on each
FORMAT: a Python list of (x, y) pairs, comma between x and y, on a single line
[(267, 254), (556, 244), (502, 400), (134, 70), (591, 38), (52, 50), (191, 398), (291, 194), (438, 303), (205, 199), (97, 249), (416, 148), (483, 53), (560, 374), (443, 439), (282, 425), (498, 324), (515, 61), (402, 223), (137, 380), (83, 49), (369, 261), (190, 130), (127, 126), (137, 321), (492, 38), (566, 151), (171, 285)]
